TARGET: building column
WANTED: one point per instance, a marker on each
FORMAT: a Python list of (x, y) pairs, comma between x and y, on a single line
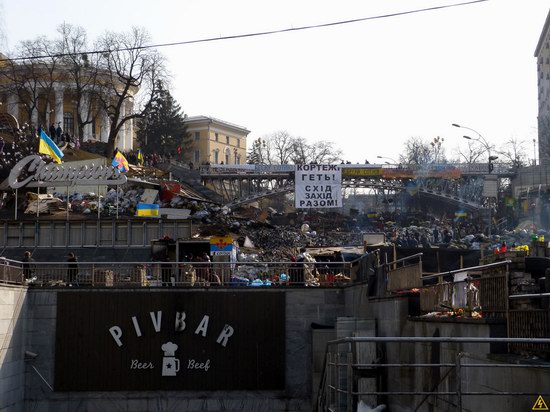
[(13, 106), (59, 107), (34, 118), (48, 117), (121, 138), (130, 134), (105, 127), (84, 108)]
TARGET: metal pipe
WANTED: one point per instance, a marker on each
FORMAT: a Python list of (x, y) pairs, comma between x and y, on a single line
[(422, 339), (404, 259), (452, 272), (530, 295), (446, 365)]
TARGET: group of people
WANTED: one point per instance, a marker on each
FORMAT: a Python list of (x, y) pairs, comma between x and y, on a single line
[(196, 269), (304, 267), (57, 135), (72, 267)]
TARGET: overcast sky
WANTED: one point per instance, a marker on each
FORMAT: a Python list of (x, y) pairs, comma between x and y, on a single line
[(366, 86)]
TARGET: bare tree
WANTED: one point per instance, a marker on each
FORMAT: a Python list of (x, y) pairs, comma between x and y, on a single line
[(32, 77), (473, 152), (420, 152), (301, 151), (325, 152), (127, 68), (514, 152), (82, 70), (281, 146)]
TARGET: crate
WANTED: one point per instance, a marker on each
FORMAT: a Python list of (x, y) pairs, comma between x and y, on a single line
[(103, 277)]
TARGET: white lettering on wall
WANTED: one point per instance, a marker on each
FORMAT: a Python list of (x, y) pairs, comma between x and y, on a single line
[(32, 171), (180, 326), (180, 322), (225, 334), (116, 333), (156, 320), (136, 326), (203, 326)]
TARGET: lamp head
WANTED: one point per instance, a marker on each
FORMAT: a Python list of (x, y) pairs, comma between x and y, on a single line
[(456, 125), (491, 158)]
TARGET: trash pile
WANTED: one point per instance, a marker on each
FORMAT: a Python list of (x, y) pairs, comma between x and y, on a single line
[(122, 202)]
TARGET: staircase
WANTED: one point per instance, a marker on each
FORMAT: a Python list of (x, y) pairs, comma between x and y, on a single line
[(191, 177)]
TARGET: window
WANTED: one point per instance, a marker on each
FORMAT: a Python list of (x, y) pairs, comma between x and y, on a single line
[(227, 139), (197, 135), (217, 139), (216, 155), (227, 159), (238, 142), (68, 123), (197, 156), (94, 130)]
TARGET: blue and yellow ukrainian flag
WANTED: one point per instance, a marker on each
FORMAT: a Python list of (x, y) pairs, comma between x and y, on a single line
[(120, 162), (461, 213), (48, 147), (147, 209)]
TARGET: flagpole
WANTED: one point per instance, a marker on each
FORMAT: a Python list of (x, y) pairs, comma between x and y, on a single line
[(67, 202), (38, 201), (16, 196), (98, 203)]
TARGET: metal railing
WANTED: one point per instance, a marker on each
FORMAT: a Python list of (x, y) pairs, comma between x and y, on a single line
[(485, 290), (339, 392), (404, 273), (176, 274)]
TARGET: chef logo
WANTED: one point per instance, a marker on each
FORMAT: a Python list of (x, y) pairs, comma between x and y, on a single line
[(170, 364)]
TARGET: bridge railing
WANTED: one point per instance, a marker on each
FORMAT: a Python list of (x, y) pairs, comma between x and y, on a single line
[(175, 274), (465, 168)]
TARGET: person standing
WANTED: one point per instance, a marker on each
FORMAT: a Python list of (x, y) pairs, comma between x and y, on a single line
[(58, 131), (52, 132), (27, 265), (72, 268)]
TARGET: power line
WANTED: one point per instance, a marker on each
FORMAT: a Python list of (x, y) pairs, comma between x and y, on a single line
[(256, 34)]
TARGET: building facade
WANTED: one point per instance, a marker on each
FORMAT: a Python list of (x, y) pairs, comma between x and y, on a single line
[(216, 141), (52, 98), (542, 54)]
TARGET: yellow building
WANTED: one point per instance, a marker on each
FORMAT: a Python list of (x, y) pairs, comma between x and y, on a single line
[(216, 141)]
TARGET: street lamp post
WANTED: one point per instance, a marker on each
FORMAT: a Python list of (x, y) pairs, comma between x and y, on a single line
[(487, 146), (389, 158), (481, 140)]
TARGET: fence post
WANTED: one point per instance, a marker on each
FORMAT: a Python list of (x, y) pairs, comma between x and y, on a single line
[(349, 379), (328, 382), (459, 381)]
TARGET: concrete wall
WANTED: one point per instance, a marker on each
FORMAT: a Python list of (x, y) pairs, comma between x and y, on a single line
[(305, 348), (303, 307), (392, 319), (12, 366)]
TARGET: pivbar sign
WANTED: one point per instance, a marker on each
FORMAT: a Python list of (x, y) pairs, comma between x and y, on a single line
[(318, 186), (181, 340)]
